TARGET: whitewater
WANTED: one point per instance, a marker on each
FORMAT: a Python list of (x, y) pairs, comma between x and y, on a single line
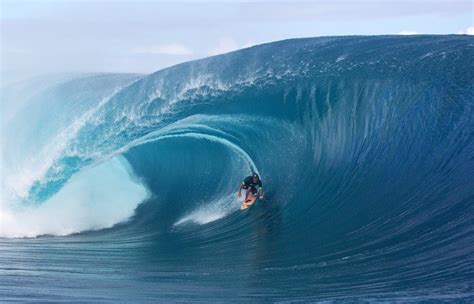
[(122, 187)]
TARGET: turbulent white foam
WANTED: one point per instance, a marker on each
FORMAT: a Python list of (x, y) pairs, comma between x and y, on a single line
[(96, 198)]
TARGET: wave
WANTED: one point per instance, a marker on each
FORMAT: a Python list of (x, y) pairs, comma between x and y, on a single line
[(364, 144)]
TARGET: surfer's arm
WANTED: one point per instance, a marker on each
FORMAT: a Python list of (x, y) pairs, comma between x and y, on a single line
[(240, 189), (260, 192)]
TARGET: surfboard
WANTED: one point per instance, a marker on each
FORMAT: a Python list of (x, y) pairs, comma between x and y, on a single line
[(248, 202)]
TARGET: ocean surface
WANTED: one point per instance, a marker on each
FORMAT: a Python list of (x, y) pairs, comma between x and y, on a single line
[(122, 187)]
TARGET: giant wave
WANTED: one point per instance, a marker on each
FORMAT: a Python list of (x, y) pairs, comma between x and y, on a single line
[(364, 144)]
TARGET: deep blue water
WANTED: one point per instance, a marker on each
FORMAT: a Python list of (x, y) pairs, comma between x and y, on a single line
[(120, 187)]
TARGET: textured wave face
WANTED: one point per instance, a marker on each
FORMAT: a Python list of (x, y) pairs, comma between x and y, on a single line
[(364, 145)]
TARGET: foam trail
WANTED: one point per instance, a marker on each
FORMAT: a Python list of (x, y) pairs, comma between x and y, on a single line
[(211, 212)]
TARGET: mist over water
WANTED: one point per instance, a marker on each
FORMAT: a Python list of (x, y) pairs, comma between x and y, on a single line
[(364, 145)]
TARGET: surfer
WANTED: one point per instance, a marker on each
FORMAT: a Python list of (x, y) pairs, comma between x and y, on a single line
[(253, 185)]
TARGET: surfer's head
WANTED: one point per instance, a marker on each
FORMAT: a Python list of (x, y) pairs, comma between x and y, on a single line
[(255, 177)]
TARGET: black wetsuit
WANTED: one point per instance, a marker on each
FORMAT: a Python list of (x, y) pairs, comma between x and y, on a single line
[(248, 183)]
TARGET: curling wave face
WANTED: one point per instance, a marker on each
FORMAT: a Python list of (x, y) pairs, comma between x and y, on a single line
[(364, 144)]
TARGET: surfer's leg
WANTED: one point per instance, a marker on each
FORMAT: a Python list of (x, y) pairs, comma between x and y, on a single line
[(249, 190)]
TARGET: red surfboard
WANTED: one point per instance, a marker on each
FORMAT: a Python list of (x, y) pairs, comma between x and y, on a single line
[(249, 201)]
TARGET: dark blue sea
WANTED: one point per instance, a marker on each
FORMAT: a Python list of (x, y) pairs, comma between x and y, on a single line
[(122, 187)]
